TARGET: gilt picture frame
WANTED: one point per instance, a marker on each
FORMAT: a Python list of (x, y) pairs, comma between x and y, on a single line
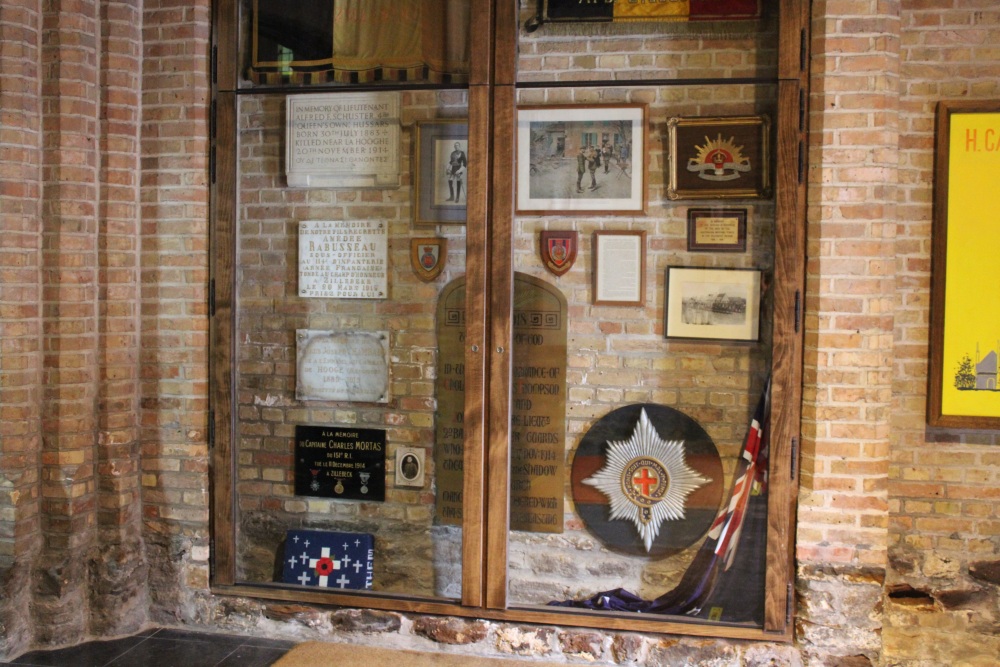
[(722, 157)]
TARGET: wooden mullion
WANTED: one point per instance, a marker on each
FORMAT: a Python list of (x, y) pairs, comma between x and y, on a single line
[(501, 304), (474, 467), (793, 38), (477, 313), (226, 25), (789, 290), (222, 336)]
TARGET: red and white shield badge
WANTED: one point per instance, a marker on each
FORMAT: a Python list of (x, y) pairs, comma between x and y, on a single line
[(558, 250), (427, 257)]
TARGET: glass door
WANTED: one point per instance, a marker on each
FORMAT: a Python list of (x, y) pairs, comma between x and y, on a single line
[(350, 220)]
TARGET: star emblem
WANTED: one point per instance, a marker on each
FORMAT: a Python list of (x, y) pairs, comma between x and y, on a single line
[(646, 479)]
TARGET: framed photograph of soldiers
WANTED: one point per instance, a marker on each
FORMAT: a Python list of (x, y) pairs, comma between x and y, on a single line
[(725, 157), (582, 159), (441, 172), (712, 304)]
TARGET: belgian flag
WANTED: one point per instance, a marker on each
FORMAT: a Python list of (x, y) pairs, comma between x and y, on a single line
[(650, 10)]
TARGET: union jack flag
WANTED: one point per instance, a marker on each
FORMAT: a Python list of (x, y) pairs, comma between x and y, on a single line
[(329, 560)]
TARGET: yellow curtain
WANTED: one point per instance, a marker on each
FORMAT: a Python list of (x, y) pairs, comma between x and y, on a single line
[(368, 40)]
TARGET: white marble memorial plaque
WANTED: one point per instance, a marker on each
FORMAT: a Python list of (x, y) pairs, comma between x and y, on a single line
[(344, 259), (342, 140), (342, 366)]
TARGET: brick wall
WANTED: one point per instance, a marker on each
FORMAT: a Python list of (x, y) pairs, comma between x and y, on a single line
[(173, 301), (849, 320), (73, 559), (20, 311), (116, 575), (69, 200), (944, 530)]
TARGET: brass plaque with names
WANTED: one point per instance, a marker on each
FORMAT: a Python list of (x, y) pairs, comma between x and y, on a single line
[(538, 414)]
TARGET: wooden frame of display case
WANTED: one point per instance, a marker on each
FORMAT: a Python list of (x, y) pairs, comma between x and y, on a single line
[(492, 132)]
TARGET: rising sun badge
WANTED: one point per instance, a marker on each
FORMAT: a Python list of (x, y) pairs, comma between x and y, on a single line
[(646, 479), (719, 160)]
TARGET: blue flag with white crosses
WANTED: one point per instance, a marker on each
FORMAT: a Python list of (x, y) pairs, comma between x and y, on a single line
[(329, 560)]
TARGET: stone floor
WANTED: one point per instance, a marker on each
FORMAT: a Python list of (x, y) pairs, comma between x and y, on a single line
[(162, 647)]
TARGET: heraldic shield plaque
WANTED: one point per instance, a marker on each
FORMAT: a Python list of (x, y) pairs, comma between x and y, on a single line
[(647, 480)]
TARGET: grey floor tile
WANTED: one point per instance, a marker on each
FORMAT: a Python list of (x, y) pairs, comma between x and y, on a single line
[(160, 652), (91, 654), (253, 656), (163, 647)]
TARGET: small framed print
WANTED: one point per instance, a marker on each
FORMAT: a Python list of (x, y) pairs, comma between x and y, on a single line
[(717, 230), (410, 467), (712, 304), (441, 172), (582, 159), (619, 268), (720, 157)]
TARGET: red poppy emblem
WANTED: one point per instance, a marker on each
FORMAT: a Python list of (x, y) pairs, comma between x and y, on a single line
[(324, 566)]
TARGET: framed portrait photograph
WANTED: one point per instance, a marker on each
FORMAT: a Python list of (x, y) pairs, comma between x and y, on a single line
[(719, 157), (409, 467), (441, 172), (963, 389), (717, 229), (619, 268), (712, 304), (582, 159)]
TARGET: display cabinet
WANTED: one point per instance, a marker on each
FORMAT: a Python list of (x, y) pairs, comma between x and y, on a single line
[(506, 310)]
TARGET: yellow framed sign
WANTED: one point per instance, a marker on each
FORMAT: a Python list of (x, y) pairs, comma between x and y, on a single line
[(963, 387)]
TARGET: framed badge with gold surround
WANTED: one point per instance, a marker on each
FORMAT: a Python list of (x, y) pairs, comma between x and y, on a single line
[(720, 157)]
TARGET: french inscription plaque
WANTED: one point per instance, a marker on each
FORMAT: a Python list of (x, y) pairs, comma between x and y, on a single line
[(342, 366), (538, 421), (346, 140), (340, 462), (343, 259)]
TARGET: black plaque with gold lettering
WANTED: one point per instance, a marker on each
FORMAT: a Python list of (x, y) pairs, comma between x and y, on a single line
[(340, 462)]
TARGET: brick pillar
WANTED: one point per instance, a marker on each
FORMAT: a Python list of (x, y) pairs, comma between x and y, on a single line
[(174, 347), (20, 313), (843, 506), (69, 318), (117, 570)]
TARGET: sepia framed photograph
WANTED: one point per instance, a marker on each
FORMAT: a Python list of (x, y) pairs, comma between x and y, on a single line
[(441, 172), (582, 159), (719, 157), (712, 304), (409, 467), (619, 268), (963, 389), (717, 229)]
